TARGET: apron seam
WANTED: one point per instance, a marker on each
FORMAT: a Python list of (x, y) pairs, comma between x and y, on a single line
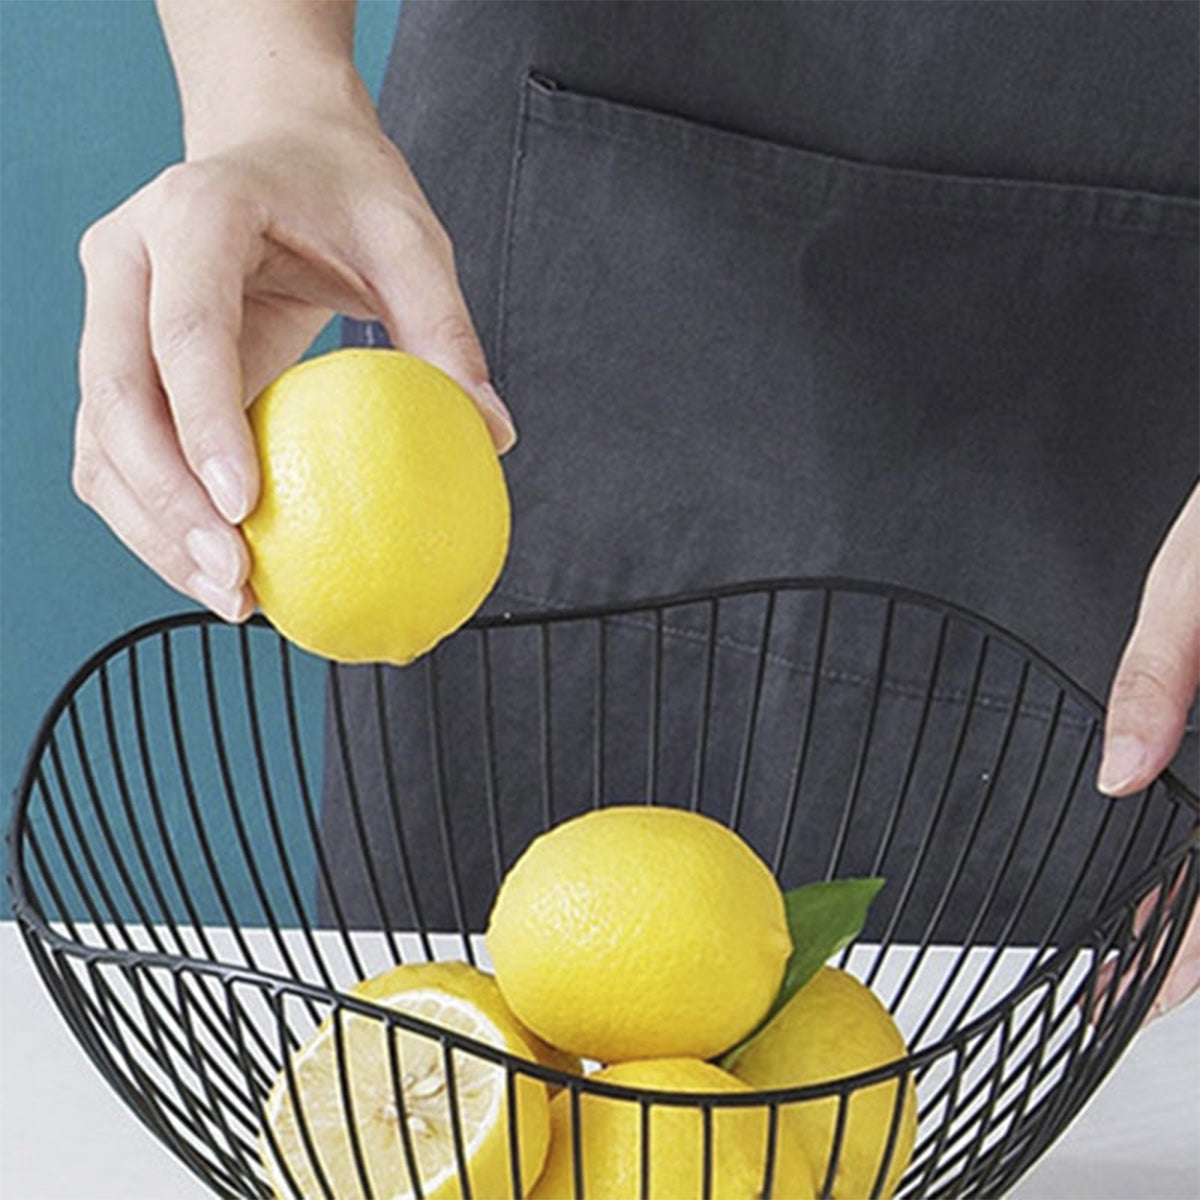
[(902, 688), (963, 212), (512, 201)]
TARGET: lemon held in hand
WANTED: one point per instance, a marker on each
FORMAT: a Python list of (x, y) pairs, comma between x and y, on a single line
[(383, 520), (831, 1028), (639, 932)]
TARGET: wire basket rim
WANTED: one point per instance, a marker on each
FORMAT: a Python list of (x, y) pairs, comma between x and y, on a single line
[(35, 924), (537, 616)]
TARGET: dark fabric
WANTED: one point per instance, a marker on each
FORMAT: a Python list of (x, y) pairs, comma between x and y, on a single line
[(903, 292), (858, 739)]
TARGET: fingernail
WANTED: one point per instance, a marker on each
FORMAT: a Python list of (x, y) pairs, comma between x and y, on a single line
[(1124, 761), (225, 603), (216, 556), (1182, 983), (227, 486), (503, 429)]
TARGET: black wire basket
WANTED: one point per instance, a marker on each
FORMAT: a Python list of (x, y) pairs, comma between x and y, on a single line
[(216, 836)]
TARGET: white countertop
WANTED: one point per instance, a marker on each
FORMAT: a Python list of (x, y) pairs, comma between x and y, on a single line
[(64, 1135)]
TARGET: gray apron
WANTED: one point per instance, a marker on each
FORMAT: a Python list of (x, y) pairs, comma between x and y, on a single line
[(901, 292)]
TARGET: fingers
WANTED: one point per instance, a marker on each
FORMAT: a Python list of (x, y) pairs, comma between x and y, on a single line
[(197, 565), (198, 252), (213, 279), (1159, 670), (426, 314), (1115, 978), (1183, 979), (128, 463)]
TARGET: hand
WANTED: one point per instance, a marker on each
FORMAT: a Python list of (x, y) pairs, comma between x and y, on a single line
[(1153, 689), (211, 280), (1182, 980)]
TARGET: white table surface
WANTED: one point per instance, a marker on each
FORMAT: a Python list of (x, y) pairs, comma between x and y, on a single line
[(64, 1135)]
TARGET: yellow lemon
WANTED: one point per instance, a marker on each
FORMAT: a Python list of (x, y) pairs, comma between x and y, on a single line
[(469, 983), (639, 932), (834, 1027), (384, 519), (610, 1142), (311, 1120)]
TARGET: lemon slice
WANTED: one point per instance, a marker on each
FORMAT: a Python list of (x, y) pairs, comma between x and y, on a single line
[(404, 1124), (468, 983)]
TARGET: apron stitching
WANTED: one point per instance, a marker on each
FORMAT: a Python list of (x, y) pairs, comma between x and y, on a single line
[(930, 208), (907, 690), (653, 148), (500, 357)]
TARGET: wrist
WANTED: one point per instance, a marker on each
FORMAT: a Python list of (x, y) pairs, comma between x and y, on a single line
[(267, 96)]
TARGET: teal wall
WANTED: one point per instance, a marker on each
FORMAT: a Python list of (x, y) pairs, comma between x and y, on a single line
[(87, 114)]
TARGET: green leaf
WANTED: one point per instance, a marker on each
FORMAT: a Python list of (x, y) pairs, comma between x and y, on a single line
[(822, 918)]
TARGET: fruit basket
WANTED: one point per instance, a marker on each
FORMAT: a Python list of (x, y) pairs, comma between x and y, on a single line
[(216, 836)]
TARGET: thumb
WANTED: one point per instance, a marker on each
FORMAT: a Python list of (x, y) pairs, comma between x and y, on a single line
[(1159, 670), (426, 315)]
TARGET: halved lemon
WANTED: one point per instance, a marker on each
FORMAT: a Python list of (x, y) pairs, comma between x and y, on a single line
[(481, 989), (350, 1126)]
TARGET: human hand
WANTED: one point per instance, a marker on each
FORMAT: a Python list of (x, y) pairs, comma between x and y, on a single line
[(211, 280), (1150, 930), (1152, 691)]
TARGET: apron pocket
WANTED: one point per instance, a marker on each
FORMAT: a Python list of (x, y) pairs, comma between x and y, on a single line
[(733, 360)]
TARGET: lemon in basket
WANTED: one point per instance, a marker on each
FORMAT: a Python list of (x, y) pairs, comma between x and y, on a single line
[(468, 983), (383, 519), (639, 932), (833, 1027), (610, 1138), (342, 1081)]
